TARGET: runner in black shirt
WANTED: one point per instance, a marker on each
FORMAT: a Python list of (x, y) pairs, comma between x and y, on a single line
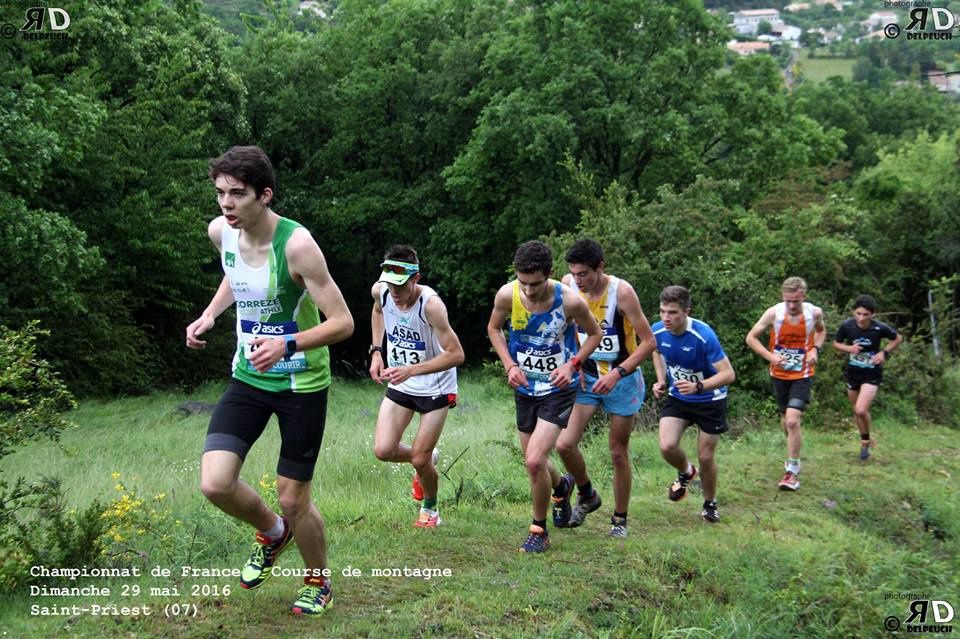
[(860, 337)]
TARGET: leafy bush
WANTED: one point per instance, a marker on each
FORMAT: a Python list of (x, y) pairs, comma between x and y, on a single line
[(32, 399)]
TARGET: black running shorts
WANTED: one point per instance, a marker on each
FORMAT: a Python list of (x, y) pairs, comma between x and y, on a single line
[(711, 416), (242, 414), (857, 377), (419, 404), (792, 393), (554, 408)]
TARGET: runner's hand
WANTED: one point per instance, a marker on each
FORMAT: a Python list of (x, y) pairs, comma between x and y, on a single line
[(376, 367), (198, 327), (659, 388), (516, 377), (267, 351), (685, 388), (606, 383), (397, 375), (561, 377)]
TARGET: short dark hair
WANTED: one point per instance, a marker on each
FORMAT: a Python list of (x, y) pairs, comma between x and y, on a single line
[(585, 251), (533, 257), (402, 253), (867, 302), (249, 164), (675, 295)]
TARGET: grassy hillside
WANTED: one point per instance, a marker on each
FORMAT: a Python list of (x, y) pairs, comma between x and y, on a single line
[(828, 561)]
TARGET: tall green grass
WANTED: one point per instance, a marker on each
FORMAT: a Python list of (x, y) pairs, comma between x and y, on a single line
[(823, 562)]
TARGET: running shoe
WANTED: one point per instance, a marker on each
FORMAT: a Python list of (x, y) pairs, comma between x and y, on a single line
[(678, 489), (428, 519), (561, 501), (865, 447), (790, 481), (537, 540), (709, 512), (583, 508), (259, 567), (618, 527), (417, 488), (312, 600)]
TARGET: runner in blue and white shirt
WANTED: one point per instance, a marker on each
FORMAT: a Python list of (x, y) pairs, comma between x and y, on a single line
[(693, 365)]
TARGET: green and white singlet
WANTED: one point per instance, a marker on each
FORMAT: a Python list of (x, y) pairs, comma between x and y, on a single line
[(270, 303)]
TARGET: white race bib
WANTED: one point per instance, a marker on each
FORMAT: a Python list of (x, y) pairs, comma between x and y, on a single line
[(405, 352), (861, 360), (538, 362), (251, 330), (681, 374), (609, 347), (793, 358)]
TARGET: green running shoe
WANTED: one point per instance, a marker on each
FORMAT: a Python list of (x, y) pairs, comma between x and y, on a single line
[(259, 567), (312, 600)]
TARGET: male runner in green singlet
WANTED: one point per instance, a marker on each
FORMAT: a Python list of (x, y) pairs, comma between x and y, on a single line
[(276, 274)]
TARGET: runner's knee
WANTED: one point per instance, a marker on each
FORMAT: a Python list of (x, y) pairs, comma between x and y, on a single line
[(565, 448), (619, 455), (293, 505), (421, 460), (536, 465), (215, 489), (384, 452)]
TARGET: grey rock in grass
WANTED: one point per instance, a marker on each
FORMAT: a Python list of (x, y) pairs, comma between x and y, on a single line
[(195, 408)]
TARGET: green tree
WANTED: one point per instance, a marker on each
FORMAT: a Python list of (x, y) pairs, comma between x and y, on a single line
[(115, 124), (912, 235)]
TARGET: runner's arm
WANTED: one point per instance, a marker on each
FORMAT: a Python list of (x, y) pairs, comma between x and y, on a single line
[(660, 386), (819, 335), (628, 301), (885, 351), (628, 304), (221, 301), (376, 333), (753, 338), (575, 308), (723, 377), (306, 260), (502, 305)]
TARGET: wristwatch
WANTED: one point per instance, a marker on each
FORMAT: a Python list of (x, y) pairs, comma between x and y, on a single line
[(290, 344), (375, 349), (699, 387), (623, 372)]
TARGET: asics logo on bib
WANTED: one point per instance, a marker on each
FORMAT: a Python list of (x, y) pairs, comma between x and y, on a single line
[(266, 328)]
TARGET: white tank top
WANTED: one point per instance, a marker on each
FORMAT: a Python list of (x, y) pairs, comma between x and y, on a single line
[(410, 340)]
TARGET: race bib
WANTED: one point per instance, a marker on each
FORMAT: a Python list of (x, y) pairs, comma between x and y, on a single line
[(862, 360), (405, 352), (538, 362), (681, 374), (793, 358), (609, 346), (251, 330)]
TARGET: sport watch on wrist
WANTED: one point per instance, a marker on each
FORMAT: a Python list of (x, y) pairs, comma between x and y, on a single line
[(623, 372), (290, 344), (699, 387), (375, 349)]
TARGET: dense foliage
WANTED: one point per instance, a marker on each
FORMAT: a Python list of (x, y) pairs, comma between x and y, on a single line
[(463, 128)]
